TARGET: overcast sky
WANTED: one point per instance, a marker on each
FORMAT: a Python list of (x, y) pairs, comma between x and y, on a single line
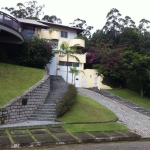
[(93, 11)]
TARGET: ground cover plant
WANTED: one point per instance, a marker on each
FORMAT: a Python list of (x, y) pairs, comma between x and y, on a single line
[(14, 80), (132, 97), (89, 115)]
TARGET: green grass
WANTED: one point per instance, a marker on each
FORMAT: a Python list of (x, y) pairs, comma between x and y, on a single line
[(88, 115), (14, 80), (132, 97), (112, 126), (87, 110)]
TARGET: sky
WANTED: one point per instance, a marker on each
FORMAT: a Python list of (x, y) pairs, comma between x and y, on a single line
[(93, 11)]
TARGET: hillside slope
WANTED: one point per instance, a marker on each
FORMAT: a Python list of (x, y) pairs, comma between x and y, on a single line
[(14, 80)]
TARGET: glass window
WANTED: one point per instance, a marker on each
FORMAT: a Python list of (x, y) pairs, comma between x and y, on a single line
[(69, 64), (54, 44), (28, 32), (64, 34), (7, 21), (15, 25), (1, 18), (76, 64), (62, 63)]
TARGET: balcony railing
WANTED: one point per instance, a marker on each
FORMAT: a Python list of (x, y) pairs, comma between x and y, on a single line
[(11, 22)]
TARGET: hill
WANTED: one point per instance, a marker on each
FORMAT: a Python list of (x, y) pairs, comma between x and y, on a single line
[(15, 80)]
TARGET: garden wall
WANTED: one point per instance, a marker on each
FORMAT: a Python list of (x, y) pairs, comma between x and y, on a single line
[(21, 108)]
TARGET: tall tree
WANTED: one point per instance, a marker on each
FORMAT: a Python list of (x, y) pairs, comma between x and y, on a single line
[(144, 25), (28, 9), (80, 23), (114, 24), (128, 22), (53, 19)]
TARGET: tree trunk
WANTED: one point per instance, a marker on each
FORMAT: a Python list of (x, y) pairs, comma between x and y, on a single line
[(142, 92), (67, 69), (72, 78)]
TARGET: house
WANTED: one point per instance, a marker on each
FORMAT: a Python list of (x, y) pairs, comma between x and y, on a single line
[(15, 30)]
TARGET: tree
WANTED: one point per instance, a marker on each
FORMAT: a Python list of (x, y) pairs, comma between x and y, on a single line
[(83, 25), (114, 23), (128, 22), (67, 51), (52, 19), (35, 53), (144, 26), (28, 9), (136, 67)]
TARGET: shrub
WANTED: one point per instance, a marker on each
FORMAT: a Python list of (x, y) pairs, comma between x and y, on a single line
[(67, 101), (36, 53)]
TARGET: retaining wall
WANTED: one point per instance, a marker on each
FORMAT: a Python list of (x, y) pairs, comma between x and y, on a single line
[(20, 108)]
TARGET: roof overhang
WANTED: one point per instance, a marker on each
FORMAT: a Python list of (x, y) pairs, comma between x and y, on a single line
[(79, 30)]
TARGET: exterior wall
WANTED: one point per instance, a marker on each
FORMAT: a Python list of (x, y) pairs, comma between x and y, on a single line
[(81, 57), (15, 111), (90, 77)]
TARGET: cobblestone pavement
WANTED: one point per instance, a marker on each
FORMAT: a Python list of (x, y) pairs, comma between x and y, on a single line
[(135, 121)]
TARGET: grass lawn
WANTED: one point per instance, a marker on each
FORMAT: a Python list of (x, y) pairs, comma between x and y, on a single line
[(89, 115), (132, 96), (87, 110), (14, 80), (111, 126)]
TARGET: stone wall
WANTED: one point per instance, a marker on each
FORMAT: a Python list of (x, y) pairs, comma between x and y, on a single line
[(20, 108)]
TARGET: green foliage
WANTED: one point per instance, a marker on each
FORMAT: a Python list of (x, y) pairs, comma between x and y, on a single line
[(53, 19), (67, 101), (28, 9), (51, 30), (112, 126), (36, 53), (132, 97)]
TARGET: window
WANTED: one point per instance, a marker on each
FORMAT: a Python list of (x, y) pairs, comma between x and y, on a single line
[(7, 21), (62, 63), (1, 18), (64, 34), (28, 32), (71, 64)]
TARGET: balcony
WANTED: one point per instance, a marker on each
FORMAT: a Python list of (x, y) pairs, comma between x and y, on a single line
[(10, 29), (79, 42), (54, 35), (81, 57)]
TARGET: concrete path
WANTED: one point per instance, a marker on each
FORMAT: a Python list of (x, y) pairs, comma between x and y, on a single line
[(30, 123), (144, 145), (135, 121)]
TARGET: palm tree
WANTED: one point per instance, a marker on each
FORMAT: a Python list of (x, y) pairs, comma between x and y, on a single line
[(69, 52)]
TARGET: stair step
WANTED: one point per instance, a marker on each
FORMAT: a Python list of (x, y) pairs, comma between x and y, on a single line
[(41, 119), (45, 112), (43, 115)]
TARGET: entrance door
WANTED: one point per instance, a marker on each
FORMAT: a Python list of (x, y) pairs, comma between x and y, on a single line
[(95, 81), (84, 81)]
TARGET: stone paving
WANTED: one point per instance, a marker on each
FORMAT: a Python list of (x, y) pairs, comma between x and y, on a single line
[(29, 137), (135, 121)]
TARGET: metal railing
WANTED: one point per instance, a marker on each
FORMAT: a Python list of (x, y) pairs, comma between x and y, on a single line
[(10, 22)]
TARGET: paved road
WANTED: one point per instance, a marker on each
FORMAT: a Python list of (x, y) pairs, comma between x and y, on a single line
[(135, 121), (141, 145)]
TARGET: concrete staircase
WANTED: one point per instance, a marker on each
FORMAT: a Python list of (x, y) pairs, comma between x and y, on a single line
[(47, 111)]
